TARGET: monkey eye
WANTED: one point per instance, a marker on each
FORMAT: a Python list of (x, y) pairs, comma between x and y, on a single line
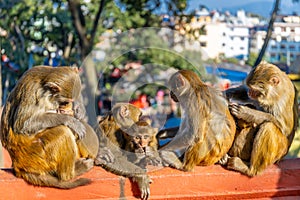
[(137, 137), (146, 136), (64, 103)]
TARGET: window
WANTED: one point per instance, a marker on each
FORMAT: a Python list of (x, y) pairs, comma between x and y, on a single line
[(292, 47), (203, 44), (274, 47)]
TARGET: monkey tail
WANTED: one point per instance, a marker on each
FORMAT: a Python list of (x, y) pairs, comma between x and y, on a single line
[(51, 181)]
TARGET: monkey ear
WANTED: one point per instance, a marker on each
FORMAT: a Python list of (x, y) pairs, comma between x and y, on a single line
[(75, 69), (274, 80), (124, 111), (180, 81), (53, 87)]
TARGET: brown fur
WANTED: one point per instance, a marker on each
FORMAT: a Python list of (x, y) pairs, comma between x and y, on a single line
[(89, 145), (270, 126), (207, 129), (112, 127), (115, 123), (42, 144)]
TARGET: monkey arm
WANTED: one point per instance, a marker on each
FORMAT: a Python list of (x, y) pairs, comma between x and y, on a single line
[(251, 115), (179, 143), (47, 120), (119, 165)]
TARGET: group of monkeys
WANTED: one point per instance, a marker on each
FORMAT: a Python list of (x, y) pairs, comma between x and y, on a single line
[(246, 129)]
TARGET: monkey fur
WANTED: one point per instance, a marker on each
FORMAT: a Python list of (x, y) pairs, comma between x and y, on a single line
[(207, 129), (89, 145), (265, 130), (142, 145), (42, 144), (111, 156)]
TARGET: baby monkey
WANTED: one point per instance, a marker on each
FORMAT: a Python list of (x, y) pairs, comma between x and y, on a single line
[(141, 144)]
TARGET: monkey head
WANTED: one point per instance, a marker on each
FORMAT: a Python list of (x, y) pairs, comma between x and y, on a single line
[(63, 85), (126, 114), (264, 83), (141, 134), (182, 82)]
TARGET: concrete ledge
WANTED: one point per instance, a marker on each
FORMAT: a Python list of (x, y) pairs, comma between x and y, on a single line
[(213, 182)]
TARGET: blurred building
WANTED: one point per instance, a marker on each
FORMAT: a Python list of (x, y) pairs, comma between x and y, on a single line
[(284, 45)]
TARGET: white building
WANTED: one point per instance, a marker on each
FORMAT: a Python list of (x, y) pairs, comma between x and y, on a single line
[(284, 45), (235, 41)]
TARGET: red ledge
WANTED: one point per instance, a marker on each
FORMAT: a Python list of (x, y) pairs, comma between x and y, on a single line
[(213, 182)]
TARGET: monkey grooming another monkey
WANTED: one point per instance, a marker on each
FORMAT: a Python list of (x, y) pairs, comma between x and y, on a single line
[(42, 144), (270, 126), (207, 129), (112, 144)]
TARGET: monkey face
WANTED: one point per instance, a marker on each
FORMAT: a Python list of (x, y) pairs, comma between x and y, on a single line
[(141, 140), (66, 108)]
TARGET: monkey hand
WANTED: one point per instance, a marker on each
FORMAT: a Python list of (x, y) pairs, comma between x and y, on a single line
[(104, 156), (79, 110), (239, 111), (169, 158), (155, 161), (143, 182), (224, 160), (77, 127)]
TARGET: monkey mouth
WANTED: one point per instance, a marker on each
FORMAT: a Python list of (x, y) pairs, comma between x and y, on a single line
[(254, 94)]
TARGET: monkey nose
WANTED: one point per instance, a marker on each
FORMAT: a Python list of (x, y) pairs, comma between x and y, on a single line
[(143, 143)]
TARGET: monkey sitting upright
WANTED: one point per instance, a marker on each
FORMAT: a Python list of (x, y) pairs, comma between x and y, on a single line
[(207, 129), (271, 125), (42, 144)]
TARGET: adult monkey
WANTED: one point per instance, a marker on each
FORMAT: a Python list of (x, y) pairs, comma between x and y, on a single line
[(207, 129), (35, 138), (108, 155), (270, 125)]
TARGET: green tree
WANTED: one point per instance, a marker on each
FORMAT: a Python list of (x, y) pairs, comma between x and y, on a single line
[(45, 23)]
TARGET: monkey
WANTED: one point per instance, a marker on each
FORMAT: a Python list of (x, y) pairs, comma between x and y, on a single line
[(115, 122), (141, 144), (42, 145), (110, 155), (28, 107), (89, 145), (270, 126), (207, 129)]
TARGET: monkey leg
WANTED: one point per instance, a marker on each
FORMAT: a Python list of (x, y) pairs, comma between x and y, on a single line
[(47, 158), (243, 143), (269, 146), (207, 152)]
